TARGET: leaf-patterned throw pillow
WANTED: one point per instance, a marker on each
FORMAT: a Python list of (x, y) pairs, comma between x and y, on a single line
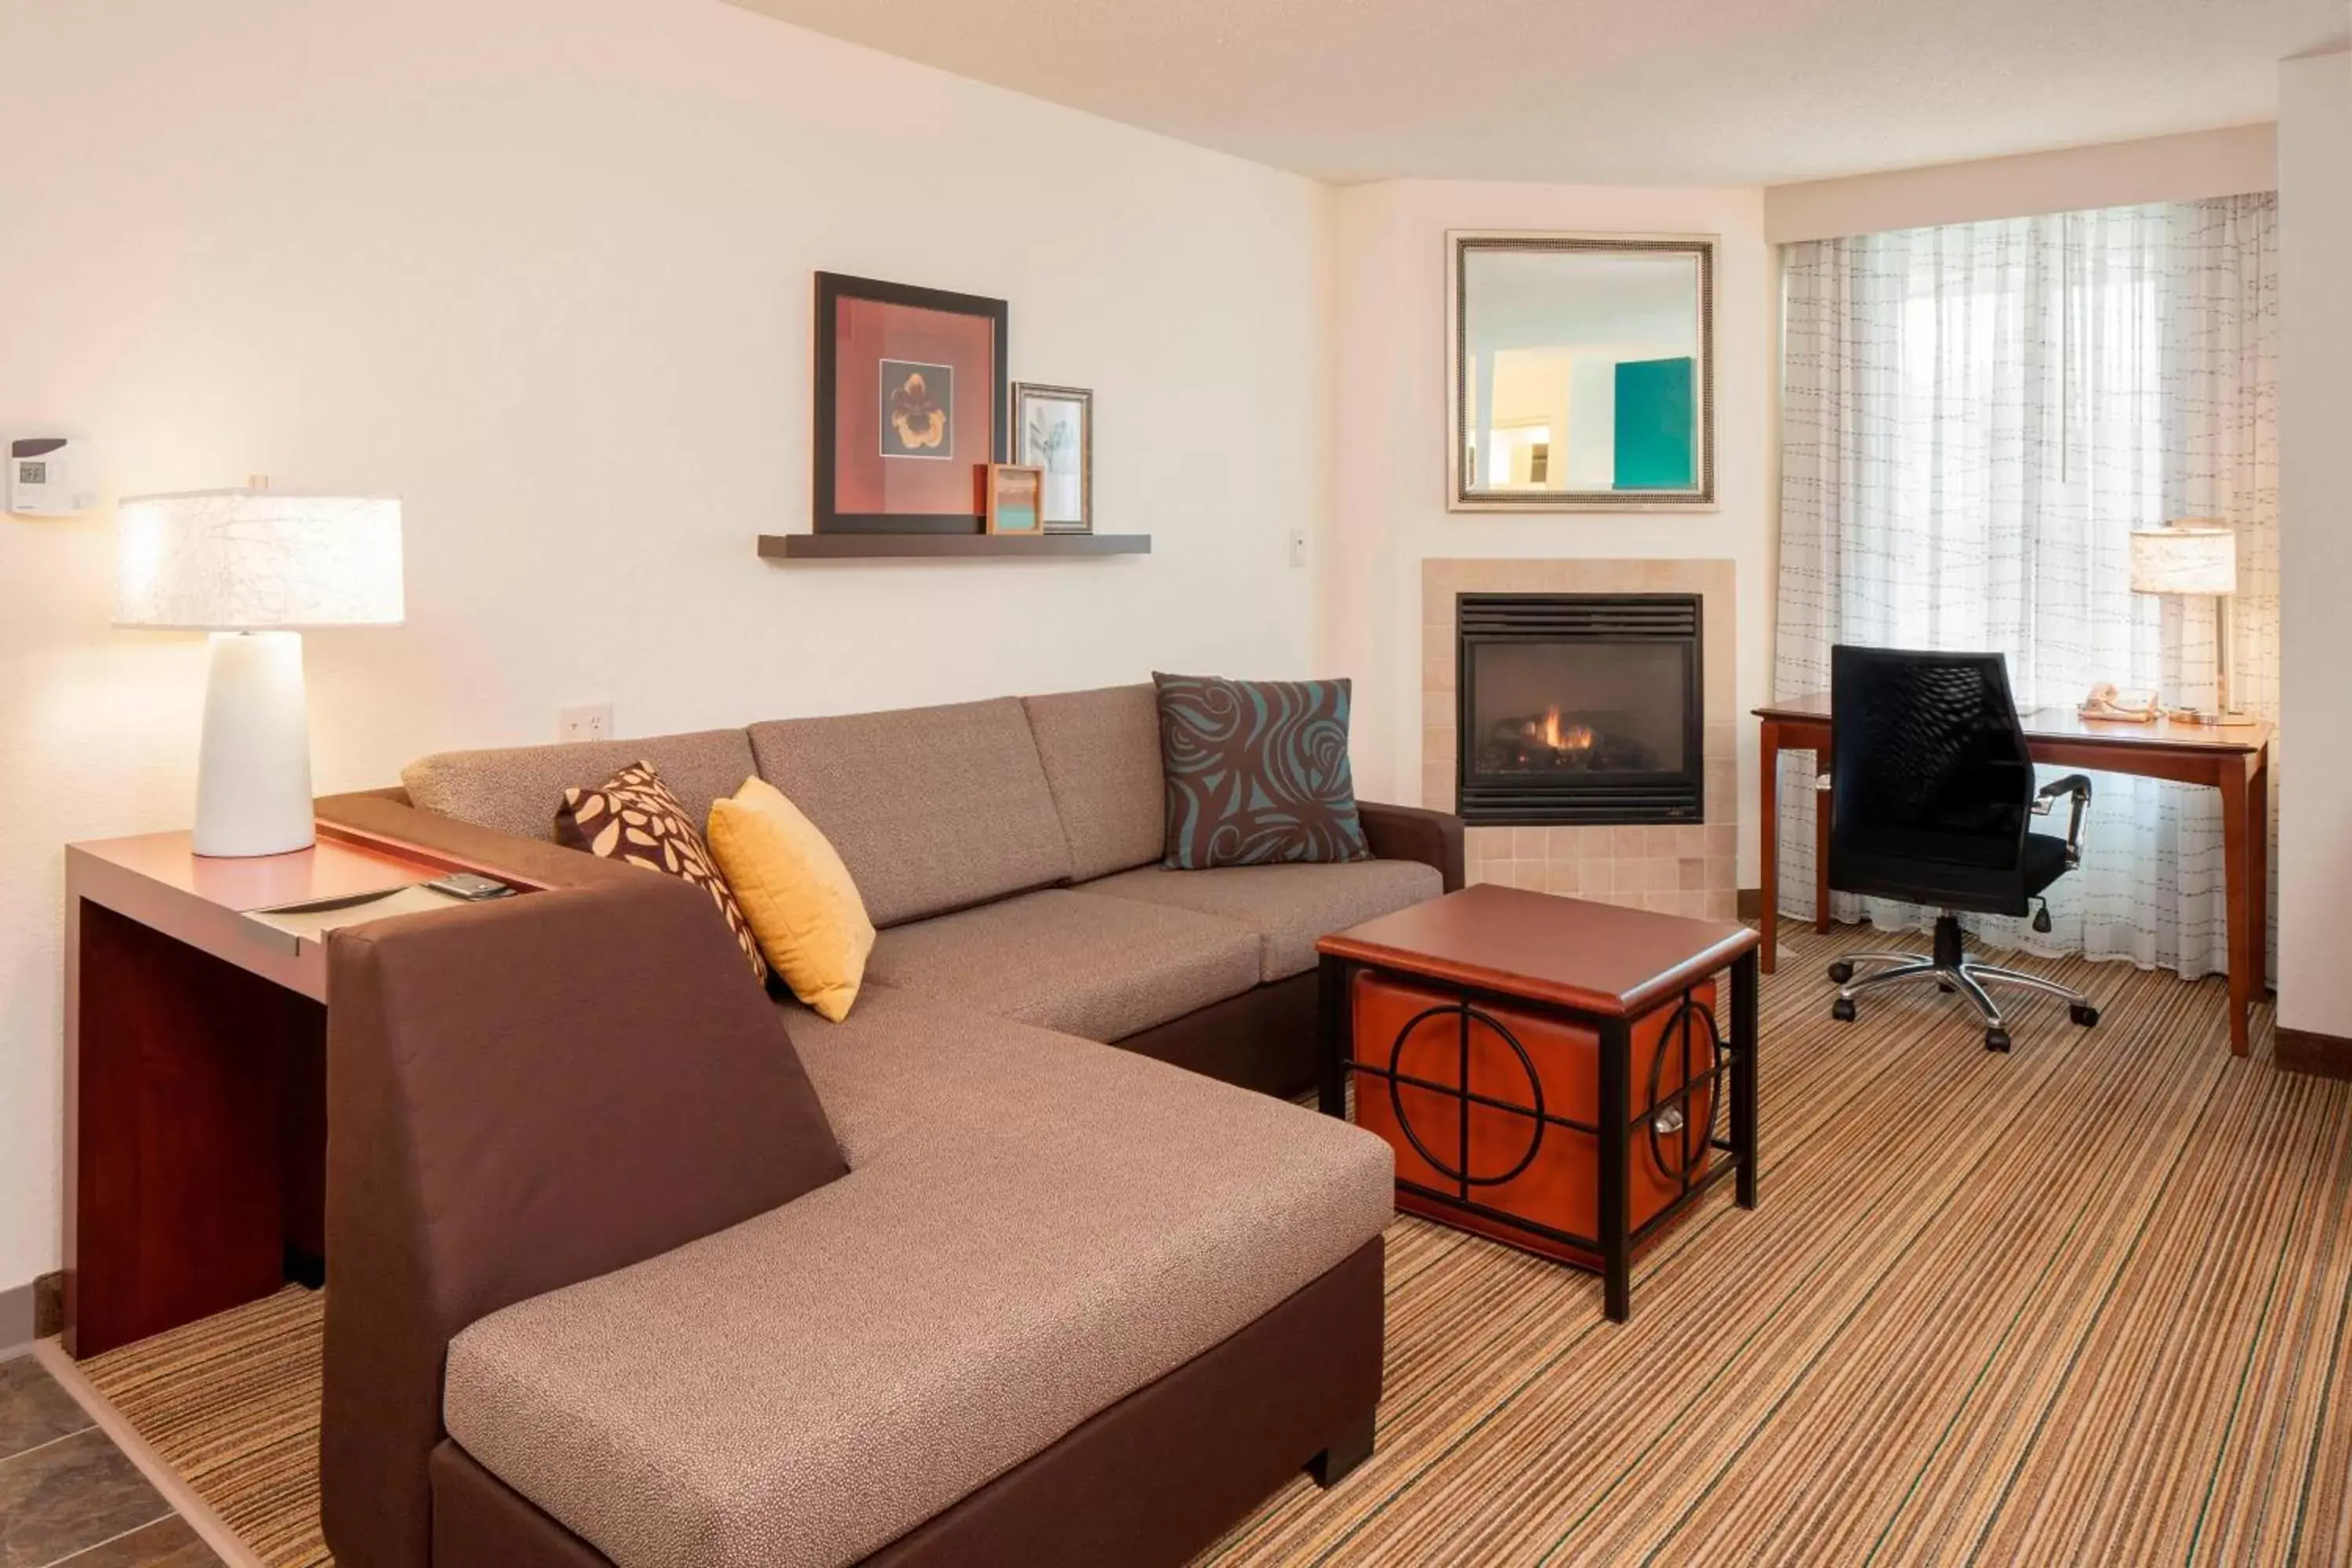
[(1257, 773), (633, 817)]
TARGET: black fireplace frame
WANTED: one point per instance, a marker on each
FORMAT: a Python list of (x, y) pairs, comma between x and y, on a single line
[(1663, 797)]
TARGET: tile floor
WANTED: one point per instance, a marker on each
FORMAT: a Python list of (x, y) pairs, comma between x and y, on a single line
[(67, 1496)]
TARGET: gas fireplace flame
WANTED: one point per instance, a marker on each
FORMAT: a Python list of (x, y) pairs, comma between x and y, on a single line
[(1564, 737)]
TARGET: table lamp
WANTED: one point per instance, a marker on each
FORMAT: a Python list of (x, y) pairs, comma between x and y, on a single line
[(253, 567), (2195, 557)]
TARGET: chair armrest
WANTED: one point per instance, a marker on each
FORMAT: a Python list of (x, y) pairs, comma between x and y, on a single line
[(2078, 787), (1415, 833)]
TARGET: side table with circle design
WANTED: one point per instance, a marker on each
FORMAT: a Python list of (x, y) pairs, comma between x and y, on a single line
[(1553, 1074)]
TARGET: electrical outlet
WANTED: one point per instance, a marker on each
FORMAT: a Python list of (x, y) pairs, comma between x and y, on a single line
[(1298, 547), (589, 721)]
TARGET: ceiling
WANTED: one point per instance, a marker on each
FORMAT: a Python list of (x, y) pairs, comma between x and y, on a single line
[(1731, 92)]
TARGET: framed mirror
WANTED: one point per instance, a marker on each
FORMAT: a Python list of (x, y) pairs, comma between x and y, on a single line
[(1583, 371)]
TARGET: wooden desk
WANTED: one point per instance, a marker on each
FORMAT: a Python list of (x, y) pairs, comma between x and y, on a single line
[(2233, 758), (195, 1063)]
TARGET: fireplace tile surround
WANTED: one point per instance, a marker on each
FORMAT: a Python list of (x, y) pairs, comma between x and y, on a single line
[(1689, 870)]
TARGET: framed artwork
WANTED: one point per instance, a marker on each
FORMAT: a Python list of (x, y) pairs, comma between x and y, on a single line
[(1054, 430), (1583, 371), (1010, 494), (910, 393)]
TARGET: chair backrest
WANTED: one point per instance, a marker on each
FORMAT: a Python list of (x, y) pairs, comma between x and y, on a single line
[(1929, 770)]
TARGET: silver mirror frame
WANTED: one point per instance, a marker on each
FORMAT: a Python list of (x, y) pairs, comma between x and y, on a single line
[(1459, 246)]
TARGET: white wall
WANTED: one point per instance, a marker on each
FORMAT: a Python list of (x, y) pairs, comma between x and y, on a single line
[(543, 268), (1390, 516), (2315, 980), (2182, 168)]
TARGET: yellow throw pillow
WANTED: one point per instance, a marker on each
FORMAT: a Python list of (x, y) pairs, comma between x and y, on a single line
[(796, 894)]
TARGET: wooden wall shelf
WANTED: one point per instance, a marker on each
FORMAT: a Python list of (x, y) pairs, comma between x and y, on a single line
[(948, 546)]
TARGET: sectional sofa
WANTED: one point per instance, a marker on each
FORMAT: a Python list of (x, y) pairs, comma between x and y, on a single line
[(611, 1286)]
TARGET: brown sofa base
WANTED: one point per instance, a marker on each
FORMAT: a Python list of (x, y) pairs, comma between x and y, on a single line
[(1153, 1479), (1263, 1038), (478, 1518)]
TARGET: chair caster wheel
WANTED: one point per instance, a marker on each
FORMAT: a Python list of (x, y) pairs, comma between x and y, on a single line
[(1840, 972), (2082, 1013), (1995, 1039), (1843, 1009)]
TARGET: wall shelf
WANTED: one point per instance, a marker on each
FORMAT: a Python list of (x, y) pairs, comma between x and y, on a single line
[(948, 546)]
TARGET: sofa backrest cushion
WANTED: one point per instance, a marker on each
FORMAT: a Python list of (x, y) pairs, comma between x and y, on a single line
[(931, 809), (516, 789), (524, 1094), (1101, 751)]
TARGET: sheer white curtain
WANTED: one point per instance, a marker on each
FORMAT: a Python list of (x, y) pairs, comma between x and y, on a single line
[(1974, 419)]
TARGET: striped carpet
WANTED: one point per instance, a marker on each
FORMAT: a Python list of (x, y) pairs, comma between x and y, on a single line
[(231, 1402), (2087, 1303)]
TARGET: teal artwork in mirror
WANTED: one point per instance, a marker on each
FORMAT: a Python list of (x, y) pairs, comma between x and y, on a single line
[(1581, 372), (1655, 428)]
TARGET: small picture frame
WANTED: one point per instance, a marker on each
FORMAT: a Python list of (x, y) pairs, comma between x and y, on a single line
[(1010, 497), (1054, 430)]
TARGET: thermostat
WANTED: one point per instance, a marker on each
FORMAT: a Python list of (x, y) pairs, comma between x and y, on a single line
[(51, 476)]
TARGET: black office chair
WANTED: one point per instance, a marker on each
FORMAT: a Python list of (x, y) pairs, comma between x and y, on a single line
[(1932, 792)]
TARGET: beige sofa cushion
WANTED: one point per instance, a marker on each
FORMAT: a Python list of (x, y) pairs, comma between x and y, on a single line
[(1101, 751), (998, 1265), (1100, 968), (516, 789), (1288, 906), (931, 808)]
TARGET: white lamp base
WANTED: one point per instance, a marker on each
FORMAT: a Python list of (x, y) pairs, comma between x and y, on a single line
[(253, 778)]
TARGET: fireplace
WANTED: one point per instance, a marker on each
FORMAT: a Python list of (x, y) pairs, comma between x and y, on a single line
[(1578, 708)]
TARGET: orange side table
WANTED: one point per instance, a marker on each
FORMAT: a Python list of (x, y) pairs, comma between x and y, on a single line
[(1548, 1070)]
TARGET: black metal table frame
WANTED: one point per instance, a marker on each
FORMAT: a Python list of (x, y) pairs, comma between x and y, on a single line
[(1733, 1060)]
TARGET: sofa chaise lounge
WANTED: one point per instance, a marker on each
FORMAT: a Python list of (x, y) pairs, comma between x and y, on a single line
[(602, 1296)]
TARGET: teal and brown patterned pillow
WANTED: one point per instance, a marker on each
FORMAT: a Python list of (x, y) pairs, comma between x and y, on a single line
[(1257, 773), (633, 817)]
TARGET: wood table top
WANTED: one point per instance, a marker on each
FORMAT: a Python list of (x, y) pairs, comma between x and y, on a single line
[(330, 869), (1595, 958), (2060, 722)]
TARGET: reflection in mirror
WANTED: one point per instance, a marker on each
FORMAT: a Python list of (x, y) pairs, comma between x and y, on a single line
[(1581, 371)]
